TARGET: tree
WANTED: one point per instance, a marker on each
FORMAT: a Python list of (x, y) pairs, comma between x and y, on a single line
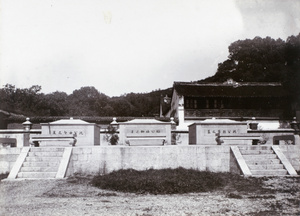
[(257, 60), (292, 54), (121, 107), (57, 103), (87, 101), (25, 101), (7, 97)]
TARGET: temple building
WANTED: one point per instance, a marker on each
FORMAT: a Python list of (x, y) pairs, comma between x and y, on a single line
[(192, 102)]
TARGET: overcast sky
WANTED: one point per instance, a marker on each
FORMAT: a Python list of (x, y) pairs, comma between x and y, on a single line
[(123, 46)]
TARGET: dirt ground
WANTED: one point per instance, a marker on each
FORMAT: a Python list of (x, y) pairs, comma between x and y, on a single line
[(67, 197)]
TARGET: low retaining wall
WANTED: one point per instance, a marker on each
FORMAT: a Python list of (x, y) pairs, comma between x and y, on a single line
[(18, 135), (105, 159), (268, 135), (178, 138), (99, 160)]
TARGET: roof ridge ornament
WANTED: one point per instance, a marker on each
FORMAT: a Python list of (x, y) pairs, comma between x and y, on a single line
[(231, 82)]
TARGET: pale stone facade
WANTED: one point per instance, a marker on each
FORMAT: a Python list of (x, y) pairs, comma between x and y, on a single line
[(204, 132), (145, 131), (87, 134)]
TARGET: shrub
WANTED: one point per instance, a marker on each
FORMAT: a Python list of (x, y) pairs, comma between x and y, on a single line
[(3, 176), (234, 196), (111, 135), (165, 181)]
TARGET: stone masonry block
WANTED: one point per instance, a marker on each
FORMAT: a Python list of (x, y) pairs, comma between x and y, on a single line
[(4, 167), (74, 157), (97, 150), (10, 150), (9, 157), (87, 150)]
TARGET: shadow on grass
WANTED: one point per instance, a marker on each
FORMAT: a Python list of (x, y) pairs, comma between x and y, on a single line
[(80, 179)]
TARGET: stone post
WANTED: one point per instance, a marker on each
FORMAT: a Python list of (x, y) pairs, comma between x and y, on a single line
[(253, 124), (27, 125), (173, 123), (114, 123), (114, 137), (181, 116), (173, 131), (295, 125)]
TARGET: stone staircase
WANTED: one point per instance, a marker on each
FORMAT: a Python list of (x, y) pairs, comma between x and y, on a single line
[(41, 163), (263, 161)]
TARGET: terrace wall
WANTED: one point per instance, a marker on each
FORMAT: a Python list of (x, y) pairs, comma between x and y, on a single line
[(94, 160), (105, 159)]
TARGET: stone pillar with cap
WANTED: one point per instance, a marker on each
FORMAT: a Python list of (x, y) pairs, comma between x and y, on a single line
[(253, 124), (27, 125), (295, 124), (114, 123), (173, 123)]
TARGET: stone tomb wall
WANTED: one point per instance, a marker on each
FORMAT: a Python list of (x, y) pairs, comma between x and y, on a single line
[(145, 132), (18, 135), (86, 133), (204, 133)]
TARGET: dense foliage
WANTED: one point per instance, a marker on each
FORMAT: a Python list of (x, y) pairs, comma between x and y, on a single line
[(263, 60), (86, 101), (173, 181)]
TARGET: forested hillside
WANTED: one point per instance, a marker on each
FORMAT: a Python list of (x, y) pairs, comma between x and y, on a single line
[(256, 60), (263, 60), (86, 101)]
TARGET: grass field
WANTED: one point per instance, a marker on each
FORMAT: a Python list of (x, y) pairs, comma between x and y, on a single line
[(78, 195)]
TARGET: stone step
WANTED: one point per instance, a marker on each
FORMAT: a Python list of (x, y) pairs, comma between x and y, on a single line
[(45, 154), (47, 149), (269, 172), (266, 167), (262, 161), (255, 152), (259, 157), (39, 169), (41, 164), (42, 159), (255, 147), (36, 175)]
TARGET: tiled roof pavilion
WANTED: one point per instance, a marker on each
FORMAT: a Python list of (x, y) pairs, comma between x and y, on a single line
[(230, 89)]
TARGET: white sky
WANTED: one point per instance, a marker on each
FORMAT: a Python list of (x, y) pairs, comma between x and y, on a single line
[(123, 46)]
